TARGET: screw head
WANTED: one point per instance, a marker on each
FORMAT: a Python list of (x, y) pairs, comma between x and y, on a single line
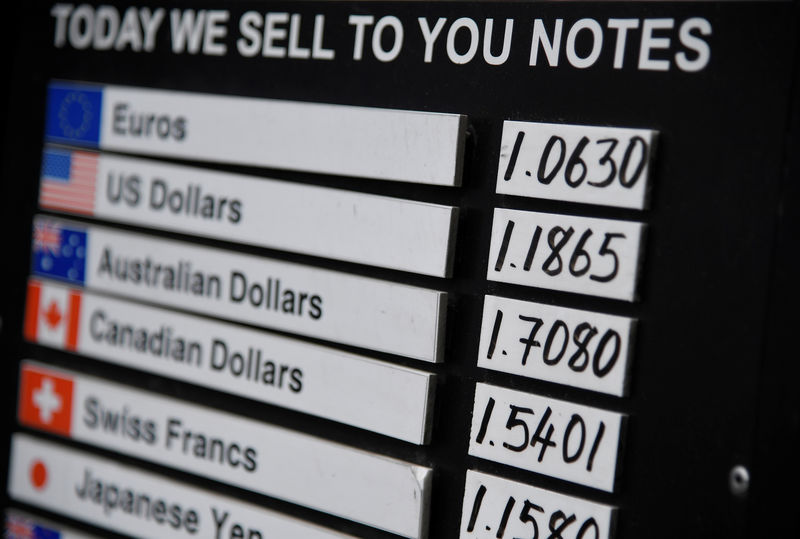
[(739, 480)]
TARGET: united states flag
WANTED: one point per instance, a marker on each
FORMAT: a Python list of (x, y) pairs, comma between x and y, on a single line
[(68, 181)]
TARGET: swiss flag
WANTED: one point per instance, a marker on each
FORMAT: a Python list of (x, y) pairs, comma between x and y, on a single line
[(52, 315), (45, 400)]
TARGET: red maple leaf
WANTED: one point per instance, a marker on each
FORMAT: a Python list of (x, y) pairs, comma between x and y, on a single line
[(53, 315)]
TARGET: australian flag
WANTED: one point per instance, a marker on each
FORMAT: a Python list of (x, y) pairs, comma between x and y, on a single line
[(18, 527), (74, 114), (59, 251)]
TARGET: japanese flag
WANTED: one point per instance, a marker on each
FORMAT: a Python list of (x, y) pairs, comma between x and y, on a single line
[(52, 315)]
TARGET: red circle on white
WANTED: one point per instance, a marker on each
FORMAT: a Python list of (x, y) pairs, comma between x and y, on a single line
[(38, 474)]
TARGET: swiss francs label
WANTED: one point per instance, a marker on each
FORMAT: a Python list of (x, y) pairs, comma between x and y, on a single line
[(548, 436), (383, 144), (351, 483), (330, 305), (495, 507), (130, 501), (567, 346), (333, 223), (358, 391), (599, 257), (576, 163)]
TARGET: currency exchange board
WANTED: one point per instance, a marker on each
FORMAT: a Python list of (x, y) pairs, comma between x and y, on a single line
[(400, 269)]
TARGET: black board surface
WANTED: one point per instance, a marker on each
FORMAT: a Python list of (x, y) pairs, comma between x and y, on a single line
[(713, 379)]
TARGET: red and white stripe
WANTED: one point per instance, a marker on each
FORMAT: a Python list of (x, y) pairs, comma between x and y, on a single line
[(52, 315), (77, 194)]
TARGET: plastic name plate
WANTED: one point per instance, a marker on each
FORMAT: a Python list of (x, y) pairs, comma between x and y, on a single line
[(325, 304), (599, 257), (383, 144), (548, 436), (576, 163), (131, 501), (374, 395), (333, 223), (498, 507), (351, 483), (567, 346)]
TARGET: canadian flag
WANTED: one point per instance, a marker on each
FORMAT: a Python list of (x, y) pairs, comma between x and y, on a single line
[(45, 400), (52, 315)]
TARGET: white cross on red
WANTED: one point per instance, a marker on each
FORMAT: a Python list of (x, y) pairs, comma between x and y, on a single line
[(47, 401)]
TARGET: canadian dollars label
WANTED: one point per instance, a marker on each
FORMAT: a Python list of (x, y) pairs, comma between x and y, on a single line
[(329, 305), (365, 487), (374, 395), (576, 163), (599, 257), (333, 223), (496, 508), (552, 437), (127, 500), (382, 144), (567, 346)]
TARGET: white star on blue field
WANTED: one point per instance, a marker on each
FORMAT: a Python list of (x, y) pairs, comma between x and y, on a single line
[(68, 261)]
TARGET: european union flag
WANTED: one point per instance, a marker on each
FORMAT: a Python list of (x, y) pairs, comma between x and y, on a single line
[(59, 251), (74, 114)]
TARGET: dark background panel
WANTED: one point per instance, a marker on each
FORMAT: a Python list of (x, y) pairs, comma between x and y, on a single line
[(711, 381)]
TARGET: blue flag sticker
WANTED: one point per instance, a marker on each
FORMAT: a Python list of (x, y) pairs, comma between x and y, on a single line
[(56, 164), (74, 114), (59, 252), (41, 532)]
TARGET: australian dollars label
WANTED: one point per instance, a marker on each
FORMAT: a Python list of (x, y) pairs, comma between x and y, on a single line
[(365, 487), (359, 311), (332, 223), (127, 500), (359, 391)]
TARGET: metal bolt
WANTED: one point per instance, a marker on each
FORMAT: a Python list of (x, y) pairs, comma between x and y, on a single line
[(739, 480)]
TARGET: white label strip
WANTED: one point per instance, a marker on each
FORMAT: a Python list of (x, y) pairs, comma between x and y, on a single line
[(365, 487), (383, 144), (548, 436), (567, 346), (599, 257), (22, 525), (330, 305), (495, 507), (576, 163), (355, 390), (356, 227), (131, 501)]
